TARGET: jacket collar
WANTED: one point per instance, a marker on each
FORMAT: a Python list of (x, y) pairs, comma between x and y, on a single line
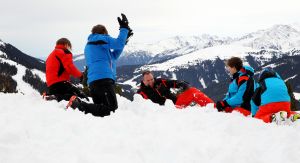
[(60, 47)]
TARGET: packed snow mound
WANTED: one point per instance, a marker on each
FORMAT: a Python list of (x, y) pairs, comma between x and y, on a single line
[(34, 130)]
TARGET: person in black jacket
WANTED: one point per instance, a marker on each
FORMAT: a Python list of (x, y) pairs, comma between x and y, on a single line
[(159, 90)]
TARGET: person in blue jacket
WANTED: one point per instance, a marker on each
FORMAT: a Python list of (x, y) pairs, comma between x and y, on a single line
[(101, 53), (271, 97), (240, 90)]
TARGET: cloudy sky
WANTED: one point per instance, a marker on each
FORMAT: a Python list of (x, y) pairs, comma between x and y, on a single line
[(33, 26)]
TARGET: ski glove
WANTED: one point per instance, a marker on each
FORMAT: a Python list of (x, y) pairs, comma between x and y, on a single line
[(221, 105), (123, 22)]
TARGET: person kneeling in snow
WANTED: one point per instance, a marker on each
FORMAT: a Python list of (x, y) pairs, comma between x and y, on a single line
[(101, 54), (158, 90), (59, 68), (271, 101), (240, 89)]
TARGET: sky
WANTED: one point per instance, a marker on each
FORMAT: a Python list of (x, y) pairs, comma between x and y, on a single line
[(33, 26)]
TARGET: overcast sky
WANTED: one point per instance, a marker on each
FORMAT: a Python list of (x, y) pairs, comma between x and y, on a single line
[(33, 26)]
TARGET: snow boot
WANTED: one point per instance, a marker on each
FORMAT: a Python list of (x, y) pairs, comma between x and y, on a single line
[(294, 117), (74, 102), (280, 118), (48, 97)]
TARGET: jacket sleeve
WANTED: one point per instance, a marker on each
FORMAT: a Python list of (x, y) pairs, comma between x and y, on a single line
[(142, 94), (67, 62), (237, 99), (119, 42), (116, 53)]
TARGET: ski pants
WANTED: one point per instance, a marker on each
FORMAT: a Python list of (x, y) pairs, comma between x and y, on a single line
[(265, 112), (64, 91), (104, 98), (192, 95)]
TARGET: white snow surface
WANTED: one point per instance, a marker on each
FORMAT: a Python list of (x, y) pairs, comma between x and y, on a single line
[(2, 43), (34, 130), (22, 86), (297, 95)]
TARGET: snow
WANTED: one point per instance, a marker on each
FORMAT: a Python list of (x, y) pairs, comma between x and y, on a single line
[(33, 130), (132, 82), (272, 65), (211, 53), (78, 57), (22, 86), (292, 77), (40, 74), (202, 83), (2, 43), (297, 95), (3, 55)]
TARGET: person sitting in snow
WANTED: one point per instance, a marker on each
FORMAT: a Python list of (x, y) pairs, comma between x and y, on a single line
[(240, 90), (271, 101), (158, 90), (59, 68)]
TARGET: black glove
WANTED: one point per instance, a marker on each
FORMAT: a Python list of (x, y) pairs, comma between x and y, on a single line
[(221, 105), (123, 22)]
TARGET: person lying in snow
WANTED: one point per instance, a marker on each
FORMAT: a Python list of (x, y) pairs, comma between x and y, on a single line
[(271, 101), (59, 68), (240, 90), (158, 90)]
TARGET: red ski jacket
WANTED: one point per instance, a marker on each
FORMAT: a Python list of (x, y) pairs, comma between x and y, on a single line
[(59, 66)]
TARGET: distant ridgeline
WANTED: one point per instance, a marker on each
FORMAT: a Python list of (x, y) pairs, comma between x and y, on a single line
[(7, 71)]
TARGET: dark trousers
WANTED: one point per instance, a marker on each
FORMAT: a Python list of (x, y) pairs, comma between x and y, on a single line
[(63, 90), (104, 98)]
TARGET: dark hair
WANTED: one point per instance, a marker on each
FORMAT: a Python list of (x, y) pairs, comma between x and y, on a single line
[(235, 62), (63, 41), (147, 72), (99, 29)]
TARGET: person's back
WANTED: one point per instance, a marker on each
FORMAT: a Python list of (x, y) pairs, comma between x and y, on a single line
[(270, 97), (101, 53), (59, 66), (275, 91)]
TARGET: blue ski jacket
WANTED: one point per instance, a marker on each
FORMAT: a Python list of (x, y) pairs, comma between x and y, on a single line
[(101, 53), (271, 89), (241, 89)]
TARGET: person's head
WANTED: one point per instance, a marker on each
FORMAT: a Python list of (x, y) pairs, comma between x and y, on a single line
[(148, 78), (65, 42), (234, 65), (99, 29)]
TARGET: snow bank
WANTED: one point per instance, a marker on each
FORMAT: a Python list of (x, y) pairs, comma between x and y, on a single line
[(33, 130)]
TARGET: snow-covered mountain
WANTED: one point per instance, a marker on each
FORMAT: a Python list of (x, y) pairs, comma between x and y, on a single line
[(141, 53), (168, 49), (20, 72), (34, 130), (204, 67), (271, 42)]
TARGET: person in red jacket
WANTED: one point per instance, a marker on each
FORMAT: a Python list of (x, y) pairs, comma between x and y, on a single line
[(159, 90), (59, 68)]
